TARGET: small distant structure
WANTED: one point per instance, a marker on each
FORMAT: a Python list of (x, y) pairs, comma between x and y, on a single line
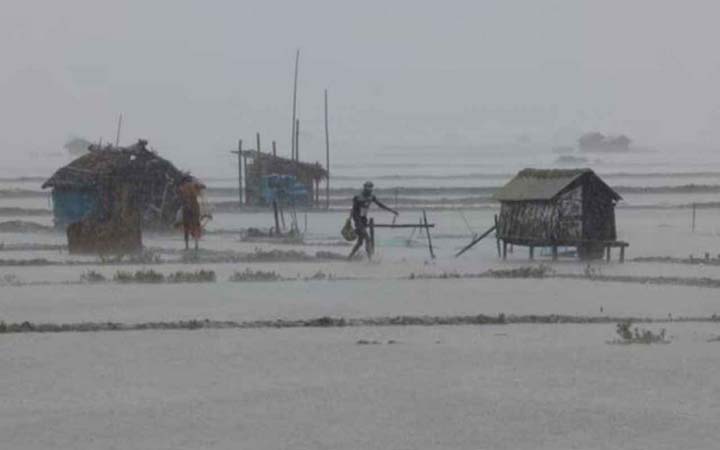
[(269, 178), (558, 208), (598, 142), (107, 196)]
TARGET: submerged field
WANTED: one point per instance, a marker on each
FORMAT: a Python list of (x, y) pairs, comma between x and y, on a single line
[(495, 387), (287, 345)]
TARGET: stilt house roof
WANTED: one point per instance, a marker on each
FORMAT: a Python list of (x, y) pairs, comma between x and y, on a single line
[(546, 184)]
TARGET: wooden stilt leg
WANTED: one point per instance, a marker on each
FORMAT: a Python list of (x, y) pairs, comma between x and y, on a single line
[(622, 254), (607, 255), (504, 250), (532, 253), (554, 253)]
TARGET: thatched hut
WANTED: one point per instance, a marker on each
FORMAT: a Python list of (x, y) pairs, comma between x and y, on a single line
[(300, 180), (83, 187), (552, 208), (106, 197)]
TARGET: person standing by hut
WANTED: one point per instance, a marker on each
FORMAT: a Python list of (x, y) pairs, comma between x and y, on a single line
[(189, 190), (359, 214)]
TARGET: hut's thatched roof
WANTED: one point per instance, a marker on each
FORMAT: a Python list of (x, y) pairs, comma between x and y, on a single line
[(134, 163), (288, 166), (544, 185)]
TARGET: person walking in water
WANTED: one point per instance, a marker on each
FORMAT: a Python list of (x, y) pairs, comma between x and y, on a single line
[(189, 190), (359, 214)]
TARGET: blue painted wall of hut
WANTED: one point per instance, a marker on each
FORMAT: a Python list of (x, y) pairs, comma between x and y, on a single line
[(70, 206)]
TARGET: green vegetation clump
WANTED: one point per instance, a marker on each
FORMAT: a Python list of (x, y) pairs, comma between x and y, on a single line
[(319, 276), (92, 276), (260, 255), (10, 279), (521, 272), (200, 276), (634, 335), (141, 276), (249, 275)]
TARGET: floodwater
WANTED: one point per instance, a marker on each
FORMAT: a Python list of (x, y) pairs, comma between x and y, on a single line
[(486, 386)]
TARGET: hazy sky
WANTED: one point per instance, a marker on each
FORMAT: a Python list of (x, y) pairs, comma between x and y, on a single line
[(194, 76)]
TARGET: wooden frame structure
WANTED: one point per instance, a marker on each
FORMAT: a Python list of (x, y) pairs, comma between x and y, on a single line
[(423, 224)]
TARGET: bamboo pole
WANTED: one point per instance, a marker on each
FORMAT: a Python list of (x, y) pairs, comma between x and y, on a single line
[(257, 137), (297, 140), (277, 219), (293, 134), (497, 238), (119, 128), (476, 240), (427, 231), (239, 152), (327, 154), (274, 146)]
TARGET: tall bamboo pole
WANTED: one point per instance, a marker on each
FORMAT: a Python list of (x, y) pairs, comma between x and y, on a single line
[(119, 128), (327, 154), (297, 140), (293, 133)]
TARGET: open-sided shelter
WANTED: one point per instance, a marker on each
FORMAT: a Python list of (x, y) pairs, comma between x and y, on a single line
[(268, 176)]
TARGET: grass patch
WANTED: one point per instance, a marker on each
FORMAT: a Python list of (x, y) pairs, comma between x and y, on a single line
[(92, 276), (521, 272), (633, 335), (250, 275), (141, 276), (200, 276)]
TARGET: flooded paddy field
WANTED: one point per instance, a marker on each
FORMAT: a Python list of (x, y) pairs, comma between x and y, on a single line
[(493, 386), (404, 351)]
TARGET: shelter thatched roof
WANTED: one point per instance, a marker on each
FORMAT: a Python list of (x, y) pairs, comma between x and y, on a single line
[(134, 163), (288, 166), (544, 185)]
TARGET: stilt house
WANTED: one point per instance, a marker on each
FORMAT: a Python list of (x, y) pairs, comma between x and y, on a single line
[(552, 208), (268, 176)]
